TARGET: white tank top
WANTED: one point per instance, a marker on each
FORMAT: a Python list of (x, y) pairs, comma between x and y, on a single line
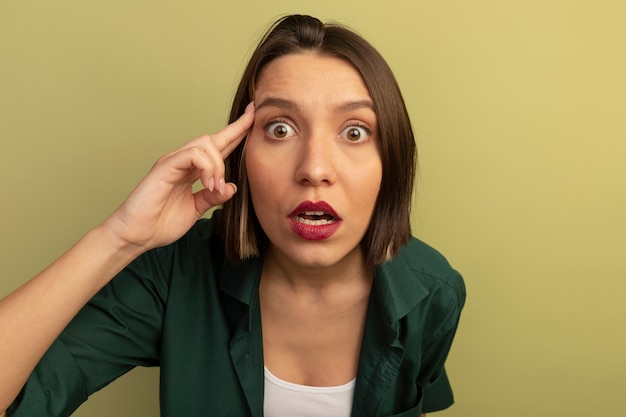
[(285, 399)]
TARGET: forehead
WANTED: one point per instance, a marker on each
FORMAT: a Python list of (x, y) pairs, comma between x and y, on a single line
[(310, 76)]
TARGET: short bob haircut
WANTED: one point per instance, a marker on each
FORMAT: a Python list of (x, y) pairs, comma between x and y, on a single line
[(390, 226)]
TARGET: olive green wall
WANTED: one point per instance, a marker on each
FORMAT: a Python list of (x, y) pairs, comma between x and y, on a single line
[(519, 109)]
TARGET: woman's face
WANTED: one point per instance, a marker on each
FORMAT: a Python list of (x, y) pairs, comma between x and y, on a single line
[(313, 159)]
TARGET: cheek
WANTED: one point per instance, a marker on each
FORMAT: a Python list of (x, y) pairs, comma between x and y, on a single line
[(368, 189), (366, 178)]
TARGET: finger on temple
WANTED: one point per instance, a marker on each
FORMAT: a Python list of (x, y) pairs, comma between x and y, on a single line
[(228, 138)]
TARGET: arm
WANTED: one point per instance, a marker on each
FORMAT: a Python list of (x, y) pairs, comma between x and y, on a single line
[(35, 314), (158, 211)]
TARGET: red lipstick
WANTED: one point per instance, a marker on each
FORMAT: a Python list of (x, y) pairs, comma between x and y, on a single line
[(314, 220)]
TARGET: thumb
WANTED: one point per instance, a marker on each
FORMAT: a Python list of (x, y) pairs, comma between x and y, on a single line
[(205, 199)]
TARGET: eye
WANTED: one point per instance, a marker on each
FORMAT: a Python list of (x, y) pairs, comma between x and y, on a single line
[(279, 130), (355, 133)]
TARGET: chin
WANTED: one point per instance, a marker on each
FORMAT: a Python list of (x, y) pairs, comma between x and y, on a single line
[(314, 261), (319, 255)]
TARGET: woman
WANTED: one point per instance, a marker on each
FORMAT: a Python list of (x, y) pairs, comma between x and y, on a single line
[(305, 293)]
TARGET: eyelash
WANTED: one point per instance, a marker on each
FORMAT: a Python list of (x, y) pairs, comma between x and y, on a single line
[(359, 125), (273, 122)]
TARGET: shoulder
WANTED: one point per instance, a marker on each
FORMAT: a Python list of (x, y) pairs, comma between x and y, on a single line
[(421, 276), (431, 267), (197, 239), (199, 247)]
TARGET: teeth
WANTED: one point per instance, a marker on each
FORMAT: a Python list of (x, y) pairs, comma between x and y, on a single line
[(314, 213), (320, 222)]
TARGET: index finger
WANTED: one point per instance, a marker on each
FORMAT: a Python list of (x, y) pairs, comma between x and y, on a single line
[(227, 139)]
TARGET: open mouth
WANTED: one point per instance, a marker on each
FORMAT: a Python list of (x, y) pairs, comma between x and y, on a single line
[(315, 218)]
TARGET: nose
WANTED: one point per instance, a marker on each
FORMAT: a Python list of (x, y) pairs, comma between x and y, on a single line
[(316, 160)]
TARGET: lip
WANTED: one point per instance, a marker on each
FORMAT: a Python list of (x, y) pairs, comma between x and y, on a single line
[(314, 231)]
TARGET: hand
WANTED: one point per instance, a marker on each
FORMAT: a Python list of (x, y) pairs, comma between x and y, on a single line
[(163, 206)]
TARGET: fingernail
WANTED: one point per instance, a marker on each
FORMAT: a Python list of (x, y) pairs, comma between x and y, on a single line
[(221, 186), (211, 186), (249, 107)]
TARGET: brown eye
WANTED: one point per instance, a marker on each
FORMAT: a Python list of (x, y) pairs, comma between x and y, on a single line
[(279, 130), (355, 133)]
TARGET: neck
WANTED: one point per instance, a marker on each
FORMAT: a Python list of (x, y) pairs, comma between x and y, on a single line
[(349, 272)]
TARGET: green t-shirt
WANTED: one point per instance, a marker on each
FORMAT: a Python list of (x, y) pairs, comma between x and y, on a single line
[(186, 309)]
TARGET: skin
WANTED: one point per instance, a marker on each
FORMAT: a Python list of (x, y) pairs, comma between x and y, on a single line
[(313, 147), (330, 152)]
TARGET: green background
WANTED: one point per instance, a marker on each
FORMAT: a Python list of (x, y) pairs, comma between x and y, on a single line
[(519, 110)]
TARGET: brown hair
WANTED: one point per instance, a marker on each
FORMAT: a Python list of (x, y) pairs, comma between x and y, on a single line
[(390, 227)]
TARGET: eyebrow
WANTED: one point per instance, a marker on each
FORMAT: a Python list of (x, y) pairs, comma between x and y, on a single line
[(290, 105)]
